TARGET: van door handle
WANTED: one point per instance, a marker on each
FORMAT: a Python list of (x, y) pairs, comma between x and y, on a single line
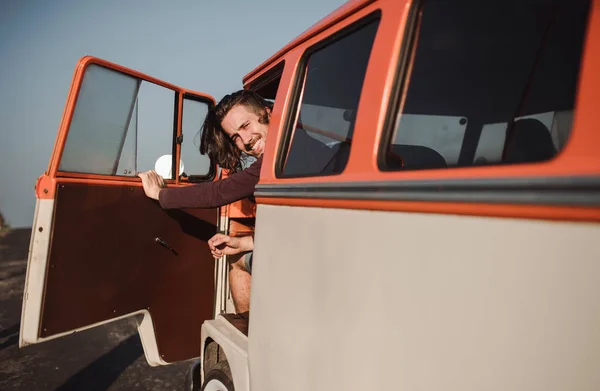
[(165, 245)]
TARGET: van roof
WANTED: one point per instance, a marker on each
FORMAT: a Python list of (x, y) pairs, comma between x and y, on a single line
[(340, 13)]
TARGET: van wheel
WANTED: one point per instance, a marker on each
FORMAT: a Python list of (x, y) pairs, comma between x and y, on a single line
[(219, 378), (217, 373)]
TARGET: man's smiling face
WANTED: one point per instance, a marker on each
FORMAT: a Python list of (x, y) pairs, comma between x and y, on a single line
[(243, 126)]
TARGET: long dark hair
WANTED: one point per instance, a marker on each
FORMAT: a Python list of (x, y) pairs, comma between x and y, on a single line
[(215, 142)]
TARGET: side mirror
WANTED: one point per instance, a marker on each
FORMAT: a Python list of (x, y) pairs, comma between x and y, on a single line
[(163, 166)]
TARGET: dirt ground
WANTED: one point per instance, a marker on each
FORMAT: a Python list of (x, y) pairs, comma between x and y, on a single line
[(109, 357)]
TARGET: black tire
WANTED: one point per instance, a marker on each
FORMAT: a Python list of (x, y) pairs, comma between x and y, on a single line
[(216, 366), (217, 375)]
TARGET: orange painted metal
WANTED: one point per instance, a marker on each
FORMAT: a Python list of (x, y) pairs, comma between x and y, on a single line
[(579, 157), (45, 187), (283, 101), (243, 208), (116, 178)]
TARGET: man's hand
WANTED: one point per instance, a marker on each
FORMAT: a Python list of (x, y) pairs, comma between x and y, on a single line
[(221, 244), (152, 183)]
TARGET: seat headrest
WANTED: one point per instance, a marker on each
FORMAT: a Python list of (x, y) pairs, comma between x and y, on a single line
[(530, 141), (414, 157)]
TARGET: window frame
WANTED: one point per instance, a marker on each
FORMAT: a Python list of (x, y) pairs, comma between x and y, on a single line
[(177, 137), (68, 173), (401, 84), (574, 172), (179, 94), (297, 91)]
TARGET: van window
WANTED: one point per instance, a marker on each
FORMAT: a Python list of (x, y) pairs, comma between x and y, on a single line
[(331, 82), (196, 166), (491, 82), (267, 85), (121, 125)]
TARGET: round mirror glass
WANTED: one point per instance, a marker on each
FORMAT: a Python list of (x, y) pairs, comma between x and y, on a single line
[(163, 166)]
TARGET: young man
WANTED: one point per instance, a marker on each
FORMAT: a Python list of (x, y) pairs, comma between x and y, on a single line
[(236, 127), (239, 123)]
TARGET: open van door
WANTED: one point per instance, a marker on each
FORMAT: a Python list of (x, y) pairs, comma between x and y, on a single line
[(100, 249)]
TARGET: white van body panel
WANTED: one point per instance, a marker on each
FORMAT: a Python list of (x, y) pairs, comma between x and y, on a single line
[(364, 300)]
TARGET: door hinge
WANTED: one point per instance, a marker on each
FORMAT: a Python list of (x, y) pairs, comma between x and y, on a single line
[(179, 139)]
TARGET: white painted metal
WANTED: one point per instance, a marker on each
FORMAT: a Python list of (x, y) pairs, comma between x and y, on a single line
[(235, 346), (358, 299), (36, 272)]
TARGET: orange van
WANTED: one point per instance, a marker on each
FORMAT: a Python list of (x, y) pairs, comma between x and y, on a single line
[(454, 245)]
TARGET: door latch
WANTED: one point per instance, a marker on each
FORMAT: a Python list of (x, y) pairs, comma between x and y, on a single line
[(165, 245)]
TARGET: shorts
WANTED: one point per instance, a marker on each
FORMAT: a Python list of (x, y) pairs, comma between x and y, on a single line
[(248, 261)]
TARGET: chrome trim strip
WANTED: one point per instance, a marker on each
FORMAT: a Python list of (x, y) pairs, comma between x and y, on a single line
[(579, 191)]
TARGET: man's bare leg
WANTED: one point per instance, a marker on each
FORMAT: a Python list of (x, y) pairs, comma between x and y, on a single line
[(239, 282)]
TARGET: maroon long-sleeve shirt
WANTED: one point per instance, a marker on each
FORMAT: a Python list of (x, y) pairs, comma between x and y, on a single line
[(213, 194)]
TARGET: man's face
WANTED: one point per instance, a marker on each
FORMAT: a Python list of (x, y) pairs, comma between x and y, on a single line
[(242, 126)]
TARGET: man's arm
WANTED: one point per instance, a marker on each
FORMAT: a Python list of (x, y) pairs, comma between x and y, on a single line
[(212, 194)]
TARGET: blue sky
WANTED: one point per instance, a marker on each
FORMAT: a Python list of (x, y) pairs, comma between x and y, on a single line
[(203, 45)]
